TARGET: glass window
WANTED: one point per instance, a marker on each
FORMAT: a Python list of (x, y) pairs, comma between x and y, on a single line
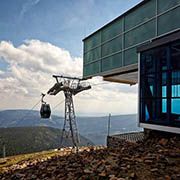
[(160, 85), (164, 91), (130, 56), (112, 30), (163, 26), (175, 88), (164, 105), (142, 14), (164, 85), (150, 85), (149, 64), (176, 91), (164, 5), (112, 62), (175, 104), (112, 46), (147, 113), (175, 49), (140, 34), (92, 55), (92, 41)]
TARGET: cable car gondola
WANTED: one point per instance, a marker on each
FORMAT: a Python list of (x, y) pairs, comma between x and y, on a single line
[(45, 110)]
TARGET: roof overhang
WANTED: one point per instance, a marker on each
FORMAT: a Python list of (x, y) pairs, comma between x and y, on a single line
[(126, 75), (127, 78)]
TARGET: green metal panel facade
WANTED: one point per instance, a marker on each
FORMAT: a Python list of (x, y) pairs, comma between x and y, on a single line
[(114, 45)]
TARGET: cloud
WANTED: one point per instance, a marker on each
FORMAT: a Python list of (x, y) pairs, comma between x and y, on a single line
[(1, 72), (27, 5), (29, 72)]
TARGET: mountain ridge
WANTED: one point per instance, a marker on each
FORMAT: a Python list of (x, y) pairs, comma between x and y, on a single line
[(20, 140), (93, 128)]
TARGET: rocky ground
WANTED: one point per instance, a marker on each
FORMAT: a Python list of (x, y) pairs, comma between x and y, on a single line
[(152, 159)]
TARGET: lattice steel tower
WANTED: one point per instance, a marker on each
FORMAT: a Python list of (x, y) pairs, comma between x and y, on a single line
[(70, 86)]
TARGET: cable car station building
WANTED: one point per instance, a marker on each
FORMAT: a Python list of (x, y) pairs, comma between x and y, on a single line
[(142, 46)]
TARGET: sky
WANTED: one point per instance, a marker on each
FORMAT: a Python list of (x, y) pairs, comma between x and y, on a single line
[(39, 38)]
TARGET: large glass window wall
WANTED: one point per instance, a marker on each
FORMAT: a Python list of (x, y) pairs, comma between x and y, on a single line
[(160, 85)]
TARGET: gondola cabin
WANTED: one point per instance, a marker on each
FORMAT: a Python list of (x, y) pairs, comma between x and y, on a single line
[(45, 111)]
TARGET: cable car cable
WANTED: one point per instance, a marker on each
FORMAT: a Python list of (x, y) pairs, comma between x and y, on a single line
[(58, 104), (30, 110)]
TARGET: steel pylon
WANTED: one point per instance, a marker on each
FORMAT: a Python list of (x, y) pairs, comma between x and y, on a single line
[(70, 86), (70, 128)]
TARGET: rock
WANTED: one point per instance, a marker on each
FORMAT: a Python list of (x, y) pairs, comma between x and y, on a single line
[(154, 170), (147, 161), (163, 141), (139, 160), (167, 177), (174, 154), (128, 166), (127, 159), (3, 161), (132, 175), (19, 175), (33, 176), (103, 174), (123, 168), (171, 161), (151, 159), (87, 171), (111, 176)]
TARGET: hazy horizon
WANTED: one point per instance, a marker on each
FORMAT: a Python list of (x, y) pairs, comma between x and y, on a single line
[(78, 115)]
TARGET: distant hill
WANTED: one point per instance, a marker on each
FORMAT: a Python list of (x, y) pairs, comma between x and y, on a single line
[(20, 140), (21, 118), (93, 128)]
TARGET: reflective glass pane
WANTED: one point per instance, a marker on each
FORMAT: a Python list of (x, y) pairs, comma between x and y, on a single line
[(175, 106), (164, 85), (163, 26), (112, 46), (164, 91), (140, 34), (91, 68), (92, 41), (175, 90), (112, 62), (112, 30), (149, 64), (130, 56), (175, 49), (92, 55), (149, 82), (147, 113), (164, 105), (161, 56), (150, 109), (164, 5), (175, 84), (144, 13)]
